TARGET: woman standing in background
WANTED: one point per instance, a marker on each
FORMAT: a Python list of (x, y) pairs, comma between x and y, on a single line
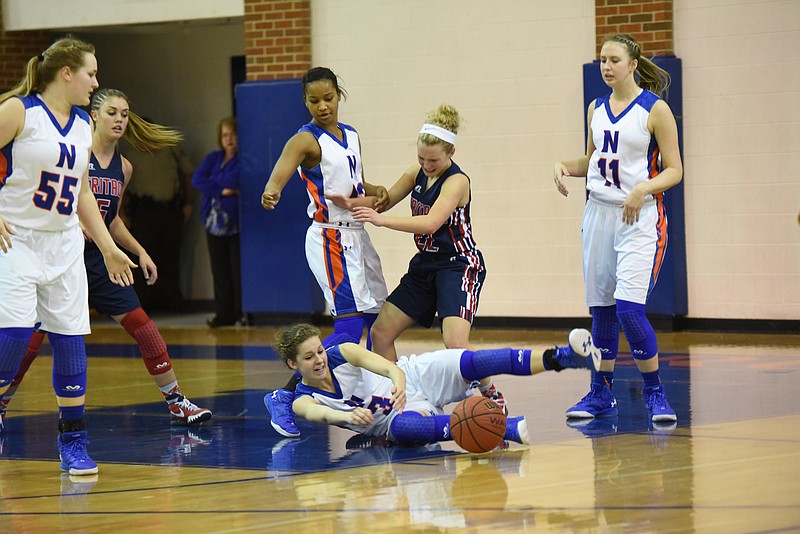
[(217, 178)]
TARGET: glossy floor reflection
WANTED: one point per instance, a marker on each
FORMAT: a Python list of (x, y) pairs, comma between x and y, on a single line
[(732, 463)]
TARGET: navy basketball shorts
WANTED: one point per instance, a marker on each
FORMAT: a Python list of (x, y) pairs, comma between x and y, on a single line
[(449, 285), (105, 296)]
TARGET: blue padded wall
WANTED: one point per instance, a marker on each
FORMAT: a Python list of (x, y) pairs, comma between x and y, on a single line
[(669, 297), (275, 275)]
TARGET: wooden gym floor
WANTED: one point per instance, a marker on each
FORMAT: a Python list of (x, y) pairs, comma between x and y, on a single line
[(732, 463)]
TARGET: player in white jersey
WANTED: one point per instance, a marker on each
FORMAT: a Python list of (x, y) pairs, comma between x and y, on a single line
[(44, 193), (327, 155), (346, 385), (632, 157)]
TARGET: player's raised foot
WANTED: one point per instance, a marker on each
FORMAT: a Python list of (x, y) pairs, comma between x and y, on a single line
[(279, 406), (73, 454), (517, 430), (185, 411), (657, 405), (579, 354), (492, 393), (599, 402)]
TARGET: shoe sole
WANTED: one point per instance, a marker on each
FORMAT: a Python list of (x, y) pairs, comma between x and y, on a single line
[(73, 471), (588, 415), (580, 341), (670, 418), (522, 431), (202, 418), (283, 432)]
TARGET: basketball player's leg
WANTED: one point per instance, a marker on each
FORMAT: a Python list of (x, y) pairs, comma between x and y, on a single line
[(122, 304), (638, 246), (412, 427), (34, 346)]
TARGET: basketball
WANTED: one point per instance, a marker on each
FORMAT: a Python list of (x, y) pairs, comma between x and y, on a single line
[(478, 424)]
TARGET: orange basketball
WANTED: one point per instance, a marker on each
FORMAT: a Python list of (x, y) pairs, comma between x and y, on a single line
[(478, 424)]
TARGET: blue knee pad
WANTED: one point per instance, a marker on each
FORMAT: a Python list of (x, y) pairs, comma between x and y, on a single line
[(605, 330), (415, 427), (352, 326), (640, 334), (13, 342), (480, 364), (69, 365)]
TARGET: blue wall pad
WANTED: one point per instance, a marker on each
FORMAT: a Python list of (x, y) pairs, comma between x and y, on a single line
[(275, 275)]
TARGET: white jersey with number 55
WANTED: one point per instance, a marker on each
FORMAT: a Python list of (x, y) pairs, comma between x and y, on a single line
[(42, 168)]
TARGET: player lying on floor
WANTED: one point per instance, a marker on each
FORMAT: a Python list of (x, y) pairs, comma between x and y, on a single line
[(346, 385)]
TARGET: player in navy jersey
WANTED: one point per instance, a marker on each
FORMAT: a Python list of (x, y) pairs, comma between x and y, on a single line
[(446, 276), (327, 155), (346, 385), (46, 140), (109, 174), (632, 157)]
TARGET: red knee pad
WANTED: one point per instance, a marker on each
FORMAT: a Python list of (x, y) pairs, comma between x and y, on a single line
[(151, 343)]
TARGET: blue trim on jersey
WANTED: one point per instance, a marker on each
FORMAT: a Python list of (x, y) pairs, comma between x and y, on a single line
[(317, 131), (35, 100), (645, 99), (335, 359)]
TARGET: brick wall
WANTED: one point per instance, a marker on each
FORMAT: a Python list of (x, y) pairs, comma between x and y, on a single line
[(648, 21), (16, 48), (277, 37)]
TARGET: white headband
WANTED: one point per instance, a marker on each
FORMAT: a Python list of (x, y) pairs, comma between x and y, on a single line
[(437, 131)]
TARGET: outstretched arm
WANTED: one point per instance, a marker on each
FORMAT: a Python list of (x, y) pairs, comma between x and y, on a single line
[(123, 237), (307, 408), (117, 262), (302, 148), (455, 192), (575, 167)]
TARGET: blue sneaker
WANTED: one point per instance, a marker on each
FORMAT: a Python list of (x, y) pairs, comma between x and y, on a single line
[(599, 402), (72, 452), (517, 430), (279, 405), (581, 352), (657, 404)]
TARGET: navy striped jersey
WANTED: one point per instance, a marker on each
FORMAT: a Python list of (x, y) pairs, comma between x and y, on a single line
[(106, 184), (455, 235)]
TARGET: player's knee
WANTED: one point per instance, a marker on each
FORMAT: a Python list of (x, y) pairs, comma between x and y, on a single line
[(604, 322), (13, 342), (638, 330), (69, 354)]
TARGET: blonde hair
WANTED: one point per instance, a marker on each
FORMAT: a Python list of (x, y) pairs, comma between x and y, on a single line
[(651, 76), (144, 136), (42, 69), (444, 116), (289, 341)]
